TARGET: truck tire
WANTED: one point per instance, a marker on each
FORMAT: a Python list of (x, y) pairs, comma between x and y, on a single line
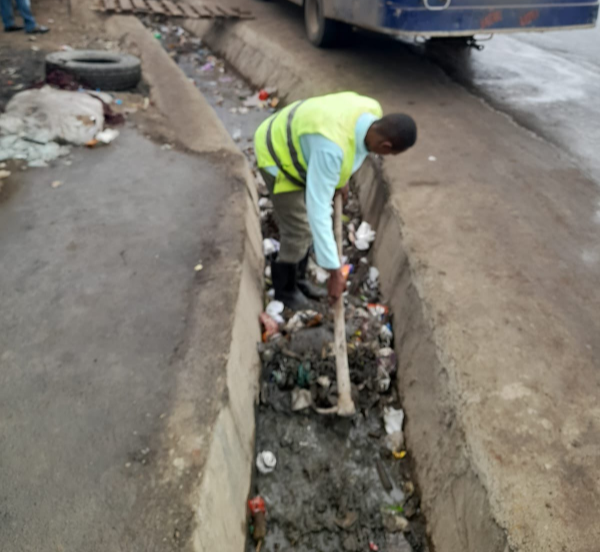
[(322, 31), (97, 68)]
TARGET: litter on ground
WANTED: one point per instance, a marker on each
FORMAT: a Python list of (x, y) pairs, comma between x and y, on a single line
[(265, 462), (365, 235), (38, 123)]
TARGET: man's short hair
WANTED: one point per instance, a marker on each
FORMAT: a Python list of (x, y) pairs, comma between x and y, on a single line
[(400, 129)]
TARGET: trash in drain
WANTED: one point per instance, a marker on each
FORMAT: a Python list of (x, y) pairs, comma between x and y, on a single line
[(340, 484)]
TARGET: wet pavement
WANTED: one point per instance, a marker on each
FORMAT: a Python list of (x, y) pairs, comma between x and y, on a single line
[(548, 82)]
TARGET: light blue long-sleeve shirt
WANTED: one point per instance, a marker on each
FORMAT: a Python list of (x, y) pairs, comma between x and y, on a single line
[(324, 159)]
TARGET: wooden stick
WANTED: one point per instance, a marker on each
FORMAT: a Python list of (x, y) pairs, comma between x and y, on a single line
[(345, 406)]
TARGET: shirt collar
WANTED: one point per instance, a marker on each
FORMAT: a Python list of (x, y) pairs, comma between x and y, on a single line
[(363, 124)]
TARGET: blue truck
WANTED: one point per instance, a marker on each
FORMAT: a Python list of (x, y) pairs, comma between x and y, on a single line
[(327, 22)]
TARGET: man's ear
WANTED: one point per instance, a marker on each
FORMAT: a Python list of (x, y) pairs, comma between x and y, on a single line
[(386, 147)]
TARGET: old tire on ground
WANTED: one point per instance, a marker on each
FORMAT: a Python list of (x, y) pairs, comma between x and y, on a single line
[(322, 31), (97, 68)]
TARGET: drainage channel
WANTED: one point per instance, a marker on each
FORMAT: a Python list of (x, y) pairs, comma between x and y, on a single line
[(338, 484)]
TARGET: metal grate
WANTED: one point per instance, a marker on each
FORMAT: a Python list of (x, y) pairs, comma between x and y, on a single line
[(171, 8)]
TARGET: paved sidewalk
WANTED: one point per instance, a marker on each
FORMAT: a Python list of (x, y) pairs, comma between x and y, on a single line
[(112, 346)]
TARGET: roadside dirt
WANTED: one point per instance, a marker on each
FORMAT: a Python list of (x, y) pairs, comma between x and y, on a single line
[(339, 484)]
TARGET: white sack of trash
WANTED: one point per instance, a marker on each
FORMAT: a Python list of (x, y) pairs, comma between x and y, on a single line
[(37, 124)]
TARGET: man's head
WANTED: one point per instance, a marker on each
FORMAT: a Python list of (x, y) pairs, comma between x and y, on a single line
[(392, 134)]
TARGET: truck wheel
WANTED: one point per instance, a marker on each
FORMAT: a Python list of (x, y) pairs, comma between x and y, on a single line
[(321, 31)]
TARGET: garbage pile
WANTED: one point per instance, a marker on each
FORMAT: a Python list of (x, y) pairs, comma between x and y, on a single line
[(297, 349), (39, 124), (324, 482)]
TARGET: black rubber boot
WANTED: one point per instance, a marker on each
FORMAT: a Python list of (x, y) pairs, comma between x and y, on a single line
[(285, 278), (306, 286)]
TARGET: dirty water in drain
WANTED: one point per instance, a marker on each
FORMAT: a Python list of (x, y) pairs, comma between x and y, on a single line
[(325, 483)]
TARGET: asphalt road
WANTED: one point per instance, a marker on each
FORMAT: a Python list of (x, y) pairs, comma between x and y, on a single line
[(548, 82)]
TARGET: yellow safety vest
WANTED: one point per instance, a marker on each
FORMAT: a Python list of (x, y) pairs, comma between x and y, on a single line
[(277, 140)]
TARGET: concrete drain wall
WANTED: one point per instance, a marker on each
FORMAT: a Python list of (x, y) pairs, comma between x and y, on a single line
[(457, 511)]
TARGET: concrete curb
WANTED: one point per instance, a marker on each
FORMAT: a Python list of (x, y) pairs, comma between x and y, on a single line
[(219, 500), (454, 499)]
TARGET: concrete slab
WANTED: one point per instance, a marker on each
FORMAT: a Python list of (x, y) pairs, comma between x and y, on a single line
[(488, 253)]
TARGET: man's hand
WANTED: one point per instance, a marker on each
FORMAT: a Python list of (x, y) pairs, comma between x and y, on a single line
[(344, 192), (336, 285)]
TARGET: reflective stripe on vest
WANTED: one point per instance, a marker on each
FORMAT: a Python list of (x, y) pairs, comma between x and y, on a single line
[(291, 147)]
